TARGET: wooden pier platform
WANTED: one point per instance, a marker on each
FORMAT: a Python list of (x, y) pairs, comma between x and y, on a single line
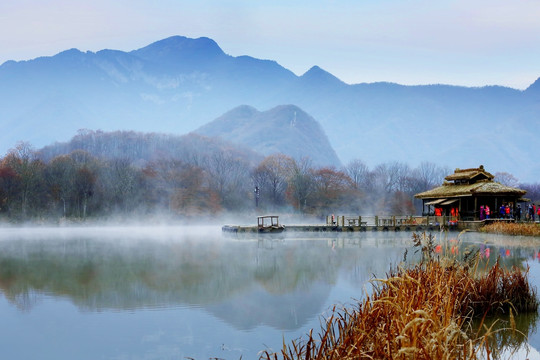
[(335, 228), (345, 223)]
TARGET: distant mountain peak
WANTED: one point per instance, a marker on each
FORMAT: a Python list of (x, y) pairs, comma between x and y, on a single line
[(315, 69), (185, 42), (70, 54), (181, 47), (320, 75), (242, 110)]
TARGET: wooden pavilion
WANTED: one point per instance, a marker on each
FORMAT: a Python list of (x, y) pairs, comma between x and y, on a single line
[(465, 192)]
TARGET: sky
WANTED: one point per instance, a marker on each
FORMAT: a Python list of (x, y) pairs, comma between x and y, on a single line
[(410, 42)]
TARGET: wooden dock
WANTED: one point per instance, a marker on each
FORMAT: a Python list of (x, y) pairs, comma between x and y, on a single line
[(345, 223), (335, 228)]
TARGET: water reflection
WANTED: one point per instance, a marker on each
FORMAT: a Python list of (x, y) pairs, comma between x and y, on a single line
[(265, 279), (250, 283), (508, 334)]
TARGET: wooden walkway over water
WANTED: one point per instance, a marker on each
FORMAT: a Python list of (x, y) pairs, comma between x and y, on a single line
[(346, 223)]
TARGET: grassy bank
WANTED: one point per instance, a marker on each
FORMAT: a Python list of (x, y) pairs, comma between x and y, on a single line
[(424, 311), (526, 229)]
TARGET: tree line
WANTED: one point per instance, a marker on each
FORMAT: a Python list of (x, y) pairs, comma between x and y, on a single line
[(79, 185)]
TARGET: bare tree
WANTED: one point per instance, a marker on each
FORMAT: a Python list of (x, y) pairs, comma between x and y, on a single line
[(300, 184), (506, 179), (29, 169), (533, 191), (332, 190), (181, 187), (85, 180), (271, 178), (9, 187), (229, 178), (120, 181), (359, 174), (392, 176), (428, 175), (60, 177)]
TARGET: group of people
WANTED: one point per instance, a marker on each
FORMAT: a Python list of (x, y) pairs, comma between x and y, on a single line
[(532, 209), (530, 214), (485, 212), (507, 211), (454, 212)]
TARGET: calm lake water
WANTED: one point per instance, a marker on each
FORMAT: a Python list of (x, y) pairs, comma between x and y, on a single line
[(193, 292)]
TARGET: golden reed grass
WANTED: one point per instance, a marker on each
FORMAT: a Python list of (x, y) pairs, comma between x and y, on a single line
[(526, 229), (421, 312)]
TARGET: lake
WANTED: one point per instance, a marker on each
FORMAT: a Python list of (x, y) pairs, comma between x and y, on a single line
[(192, 292)]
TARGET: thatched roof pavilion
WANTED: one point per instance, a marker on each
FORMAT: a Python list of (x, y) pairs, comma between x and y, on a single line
[(468, 189)]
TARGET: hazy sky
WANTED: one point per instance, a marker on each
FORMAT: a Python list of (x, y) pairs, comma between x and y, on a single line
[(461, 42)]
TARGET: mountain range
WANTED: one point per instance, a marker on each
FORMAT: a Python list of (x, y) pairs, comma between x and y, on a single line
[(179, 85)]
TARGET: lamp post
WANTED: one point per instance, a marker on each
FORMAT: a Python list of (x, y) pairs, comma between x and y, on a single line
[(257, 194)]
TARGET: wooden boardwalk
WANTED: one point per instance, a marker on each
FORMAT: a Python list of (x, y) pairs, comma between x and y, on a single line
[(335, 228), (368, 223)]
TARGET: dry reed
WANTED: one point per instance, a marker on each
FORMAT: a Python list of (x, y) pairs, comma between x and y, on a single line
[(421, 312), (525, 229)]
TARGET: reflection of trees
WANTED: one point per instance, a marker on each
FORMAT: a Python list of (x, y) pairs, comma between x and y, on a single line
[(503, 338), (112, 274), (278, 282), (295, 265)]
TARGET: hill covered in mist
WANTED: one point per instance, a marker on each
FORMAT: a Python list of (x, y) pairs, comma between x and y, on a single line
[(177, 85), (142, 148), (284, 129)]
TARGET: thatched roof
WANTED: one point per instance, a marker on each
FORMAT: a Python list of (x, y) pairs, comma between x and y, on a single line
[(482, 187), (470, 174)]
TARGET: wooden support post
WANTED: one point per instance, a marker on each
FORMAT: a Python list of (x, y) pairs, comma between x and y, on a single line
[(376, 220), (359, 221), (394, 220)]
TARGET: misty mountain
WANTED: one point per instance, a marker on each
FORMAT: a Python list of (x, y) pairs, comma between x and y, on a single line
[(284, 129), (178, 84)]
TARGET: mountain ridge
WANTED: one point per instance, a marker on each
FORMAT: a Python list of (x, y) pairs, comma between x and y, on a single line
[(46, 99)]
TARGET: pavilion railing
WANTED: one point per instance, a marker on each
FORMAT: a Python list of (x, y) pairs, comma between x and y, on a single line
[(389, 220)]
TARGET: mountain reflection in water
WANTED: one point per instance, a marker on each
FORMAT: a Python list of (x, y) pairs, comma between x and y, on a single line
[(246, 282), (249, 284)]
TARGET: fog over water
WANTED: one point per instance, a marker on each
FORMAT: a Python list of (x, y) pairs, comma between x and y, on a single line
[(171, 292)]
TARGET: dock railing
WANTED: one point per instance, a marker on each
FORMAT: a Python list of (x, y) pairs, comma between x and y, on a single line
[(389, 220)]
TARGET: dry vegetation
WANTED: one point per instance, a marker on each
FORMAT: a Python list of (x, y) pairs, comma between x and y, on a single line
[(527, 229), (421, 312)]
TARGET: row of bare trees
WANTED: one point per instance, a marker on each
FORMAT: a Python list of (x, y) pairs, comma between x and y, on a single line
[(388, 188), (79, 185)]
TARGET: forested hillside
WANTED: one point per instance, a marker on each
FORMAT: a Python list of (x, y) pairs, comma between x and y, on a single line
[(141, 148), (154, 176)]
